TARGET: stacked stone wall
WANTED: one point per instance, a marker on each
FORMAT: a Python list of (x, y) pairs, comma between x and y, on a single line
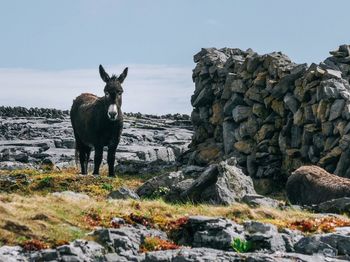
[(273, 115)]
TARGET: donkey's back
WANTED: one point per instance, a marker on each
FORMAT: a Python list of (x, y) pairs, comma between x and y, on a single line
[(83, 113)]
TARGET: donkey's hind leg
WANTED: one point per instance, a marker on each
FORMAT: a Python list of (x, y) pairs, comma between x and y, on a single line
[(84, 154), (87, 158)]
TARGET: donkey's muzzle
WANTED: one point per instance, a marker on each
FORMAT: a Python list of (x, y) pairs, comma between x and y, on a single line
[(112, 112), (112, 116)]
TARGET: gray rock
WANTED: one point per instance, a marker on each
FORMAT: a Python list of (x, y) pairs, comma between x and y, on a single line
[(163, 181), (259, 200), (290, 237), (203, 98), (342, 51), (71, 195), (287, 82), (12, 165), (312, 245), (208, 254), (123, 193), (126, 240), (291, 102), (12, 254), (336, 109), (264, 236), (192, 171), (201, 231), (193, 254), (46, 255), (240, 113), (78, 250), (238, 86), (228, 136), (235, 100), (333, 73), (175, 190), (333, 88), (112, 257), (339, 205), (340, 242), (219, 184)]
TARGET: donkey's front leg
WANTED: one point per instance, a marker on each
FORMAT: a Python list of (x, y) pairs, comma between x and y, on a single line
[(111, 160), (97, 159)]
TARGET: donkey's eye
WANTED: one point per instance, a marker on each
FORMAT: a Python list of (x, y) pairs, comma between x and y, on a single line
[(107, 94)]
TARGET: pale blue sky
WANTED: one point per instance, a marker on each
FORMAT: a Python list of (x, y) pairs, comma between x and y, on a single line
[(53, 37)]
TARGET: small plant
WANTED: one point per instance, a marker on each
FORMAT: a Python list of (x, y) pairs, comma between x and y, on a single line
[(92, 218), (22, 239), (324, 224), (34, 245), (107, 186), (159, 192), (174, 225), (139, 219), (45, 182), (241, 245), (157, 244)]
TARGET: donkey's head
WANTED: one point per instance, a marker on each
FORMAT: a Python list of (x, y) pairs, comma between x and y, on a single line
[(113, 92)]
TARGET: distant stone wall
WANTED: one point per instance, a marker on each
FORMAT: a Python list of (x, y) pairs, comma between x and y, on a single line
[(18, 111), (271, 114)]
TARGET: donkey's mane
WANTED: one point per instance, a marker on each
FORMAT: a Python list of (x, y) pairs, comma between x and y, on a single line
[(114, 77)]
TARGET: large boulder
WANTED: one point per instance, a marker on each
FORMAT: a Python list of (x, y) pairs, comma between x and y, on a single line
[(221, 183), (201, 231), (310, 185), (264, 236), (126, 241)]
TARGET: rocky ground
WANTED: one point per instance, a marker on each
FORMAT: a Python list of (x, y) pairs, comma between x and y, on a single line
[(150, 144), (30, 138), (198, 238)]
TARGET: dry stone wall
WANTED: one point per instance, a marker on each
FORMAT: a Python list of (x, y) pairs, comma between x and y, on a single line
[(273, 115)]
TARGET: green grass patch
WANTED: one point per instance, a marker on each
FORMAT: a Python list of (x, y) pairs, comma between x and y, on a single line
[(241, 245)]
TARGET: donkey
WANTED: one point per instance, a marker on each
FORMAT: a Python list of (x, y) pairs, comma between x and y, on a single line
[(98, 122)]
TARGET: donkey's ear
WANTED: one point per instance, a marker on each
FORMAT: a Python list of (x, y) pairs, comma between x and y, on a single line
[(123, 75), (105, 77)]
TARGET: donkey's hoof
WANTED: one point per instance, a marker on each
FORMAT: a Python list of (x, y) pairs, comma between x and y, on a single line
[(95, 174)]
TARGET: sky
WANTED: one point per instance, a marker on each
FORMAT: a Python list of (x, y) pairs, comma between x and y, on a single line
[(50, 50)]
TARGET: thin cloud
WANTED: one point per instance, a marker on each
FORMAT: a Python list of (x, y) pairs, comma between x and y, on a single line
[(153, 89)]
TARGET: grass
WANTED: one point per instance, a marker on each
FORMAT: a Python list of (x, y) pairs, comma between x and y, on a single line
[(46, 181), (241, 245), (30, 215)]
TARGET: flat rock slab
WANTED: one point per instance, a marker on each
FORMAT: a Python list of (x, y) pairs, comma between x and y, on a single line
[(40, 140)]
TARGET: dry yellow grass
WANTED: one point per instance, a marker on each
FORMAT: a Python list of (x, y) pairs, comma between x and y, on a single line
[(32, 212), (59, 219), (46, 181)]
